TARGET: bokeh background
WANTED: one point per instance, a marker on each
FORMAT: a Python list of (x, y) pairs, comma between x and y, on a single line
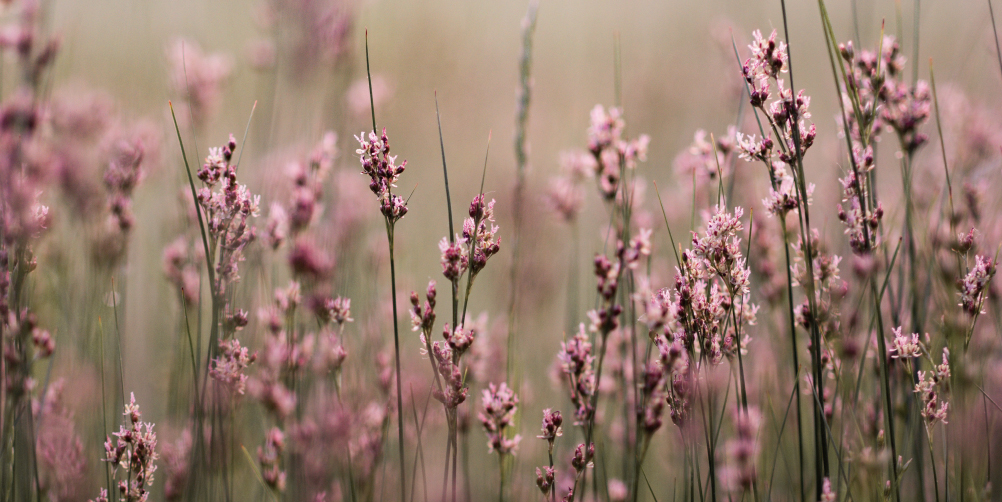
[(679, 74)]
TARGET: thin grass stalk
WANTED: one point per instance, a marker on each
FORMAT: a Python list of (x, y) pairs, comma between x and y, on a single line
[(789, 297), (393, 292), (916, 30), (804, 215), (104, 408), (454, 283), (830, 41), (995, 31), (521, 163), (198, 448), (775, 454)]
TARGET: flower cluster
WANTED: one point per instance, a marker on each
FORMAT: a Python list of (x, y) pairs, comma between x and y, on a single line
[(283, 354), (499, 405), (480, 231), (565, 193), (712, 288), (198, 78), (787, 114), (829, 288), (741, 452), (122, 175), (447, 365), (23, 343), (176, 459), (551, 428), (860, 219), (719, 249), (292, 220), (905, 107), (930, 388), (544, 479), (59, 449), (383, 171), (704, 161), (269, 457), (227, 212), (182, 264), (612, 152), (134, 453), (229, 367), (973, 285), (675, 372), (904, 346), (455, 257), (768, 57), (576, 363), (423, 319)]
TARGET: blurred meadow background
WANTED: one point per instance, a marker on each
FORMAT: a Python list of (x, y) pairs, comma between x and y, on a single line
[(118, 318)]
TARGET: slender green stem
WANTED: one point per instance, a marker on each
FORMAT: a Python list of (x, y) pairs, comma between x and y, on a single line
[(396, 351)]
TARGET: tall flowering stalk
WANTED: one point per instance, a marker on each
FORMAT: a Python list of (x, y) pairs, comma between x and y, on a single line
[(698, 324), (466, 254), (782, 149), (383, 171)]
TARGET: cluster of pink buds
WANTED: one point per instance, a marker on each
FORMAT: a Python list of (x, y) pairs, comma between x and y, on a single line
[(675, 368), (383, 172), (270, 458), (576, 363), (611, 151), (227, 212), (972, 286), (829, 288), (182, 264), (229, 367), (712, 288), (551, 429), (284, 353), (827, 494), (719, 249), (931, 387), (565, 194), (338, 310), (479, 230), (784, 197), (447, 356), (20, 336), (768, 59), (455, 257), (704, 161), (499, 405), (788, 113), (121, 177), (293, 219), (423, 319), (544, 479), (134, 453), (741, 452), (905, 107), (650, 411), (904, 346), (582, 458), (860, 222)]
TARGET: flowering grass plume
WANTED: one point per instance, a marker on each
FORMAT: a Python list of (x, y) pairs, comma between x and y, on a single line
[(133, 455)]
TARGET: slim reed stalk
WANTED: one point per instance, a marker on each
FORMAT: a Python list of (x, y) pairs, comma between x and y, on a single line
[(390, 223)]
